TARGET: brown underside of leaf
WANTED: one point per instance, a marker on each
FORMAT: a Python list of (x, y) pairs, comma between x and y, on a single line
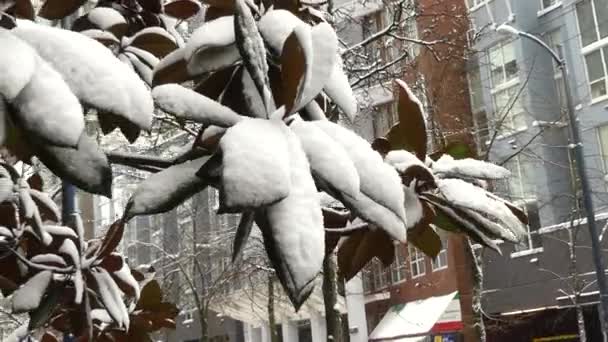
[(214, 85), (360, 247), (58, 9), (154, 43), (293, 69), (410, 132), (173, 73), (182, 9)]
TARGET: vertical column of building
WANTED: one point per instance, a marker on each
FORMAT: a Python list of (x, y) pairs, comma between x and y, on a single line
[(318, 327), (355, 306), (290, 331)]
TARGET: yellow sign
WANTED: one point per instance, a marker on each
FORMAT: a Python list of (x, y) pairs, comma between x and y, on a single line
[(572, 337)]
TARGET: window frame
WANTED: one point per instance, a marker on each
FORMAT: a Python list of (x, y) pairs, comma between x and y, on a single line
[(444, 251), (417, 258), (399, 266), (599, 44), (509, 129)]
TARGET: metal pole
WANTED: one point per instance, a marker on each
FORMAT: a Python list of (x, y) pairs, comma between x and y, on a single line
[(68, 202), (587, 200)]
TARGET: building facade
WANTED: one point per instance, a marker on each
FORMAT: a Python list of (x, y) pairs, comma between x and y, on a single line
[(518, 101)]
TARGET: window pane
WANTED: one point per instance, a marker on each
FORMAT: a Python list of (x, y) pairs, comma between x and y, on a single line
[(586, 23), (548, 3), (476, 90), (601, 12), (595, 72), (496, 66), (510, 64), (603, 134)]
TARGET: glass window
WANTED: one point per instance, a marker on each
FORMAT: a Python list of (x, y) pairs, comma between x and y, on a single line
[(533, 239), (475, 88), (417, 265), (592, 22), (509, 101), (441, 260), (548, 3), (603, 137), (503, 65), (596, 72), (398, 268), (381, 275)]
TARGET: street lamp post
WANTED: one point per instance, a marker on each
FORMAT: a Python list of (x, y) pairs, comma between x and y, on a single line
[(581, 170)]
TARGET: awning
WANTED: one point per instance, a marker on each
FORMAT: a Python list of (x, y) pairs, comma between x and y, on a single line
[(413, 321)]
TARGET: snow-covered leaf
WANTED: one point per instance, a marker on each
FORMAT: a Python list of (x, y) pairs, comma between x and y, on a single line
[(108, 19), (328, 160), (171, 69), (61, 231), (275, 26), (212, 47), (155, 40), (293, 230), (143, 70), (296, 66), (187, 104), (253, 52), (425, 239), (28, 296), (111, 297), (380, 185), (86, 166), (312, 111), (255, 162), (58, 9), (478, 201), (447, 166), (101, 315), (209, 137), (167, 189), (49, 259), (214, 85), (94, 75), (410, 132), (253, 104), (127, 283), (339, 91), (145, 56), (112, 238), (242, 233), (182, 9), (16, 67), (56, 119)]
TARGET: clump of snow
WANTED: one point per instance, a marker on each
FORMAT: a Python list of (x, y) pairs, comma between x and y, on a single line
[(16, 67), (379, 182), (93, 73), (57, 119), (255, 164), (28, 296), (275, 26), (111, 297), (212, 46), (449, 167), (187, 104), (296, 227), (412, 205), (339, 91), (402, 160), (328, 160)]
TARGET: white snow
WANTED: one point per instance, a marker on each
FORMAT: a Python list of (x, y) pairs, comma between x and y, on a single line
[(296, 223), (339, 91), (61, 231), (402, 160), (100, 35), (143, 70), (449, 167), (255, 164), (379, 181), (187, 104), (69, 248), (124, 274), (328, 160), (93, 73), (57, 119), (16, 67), (210, 136), (105, 17), (275, 26), (101, 315), (212, 46), (173, 57), (28, 296), (144, 55), (413, 206), (466, 195)]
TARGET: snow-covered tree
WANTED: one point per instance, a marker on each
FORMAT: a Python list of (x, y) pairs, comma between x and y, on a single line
[(264, 75)]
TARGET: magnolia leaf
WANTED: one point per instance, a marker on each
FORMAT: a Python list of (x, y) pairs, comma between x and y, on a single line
[(24, 10), (212, 47), (49, 260), (255, 164), (424, 237), (312, 111), (235, 96), (182, 9), (167, 189), (104, 37), (379, 182), (296, 66), (151, 296), (28, 296), (242, 234), (143, 70), (61, 231), (209, 138), (146, 57), (56, 119), (328, 160), (112, 238), (112, 262), (110, 297), (42, 314), (252, 100), (293, 229), (155, 40), (478, 201), (17, 67), (275, 26), (154, 6), (187, 104), (171, 69), (214, 12), (49, 337), (108, 19), (86, 166), (359, 249), (127, 282), (214, 85), (339, 91), (93, 73), (109, 122), (410, 132), (252, 50), (58, 9)]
